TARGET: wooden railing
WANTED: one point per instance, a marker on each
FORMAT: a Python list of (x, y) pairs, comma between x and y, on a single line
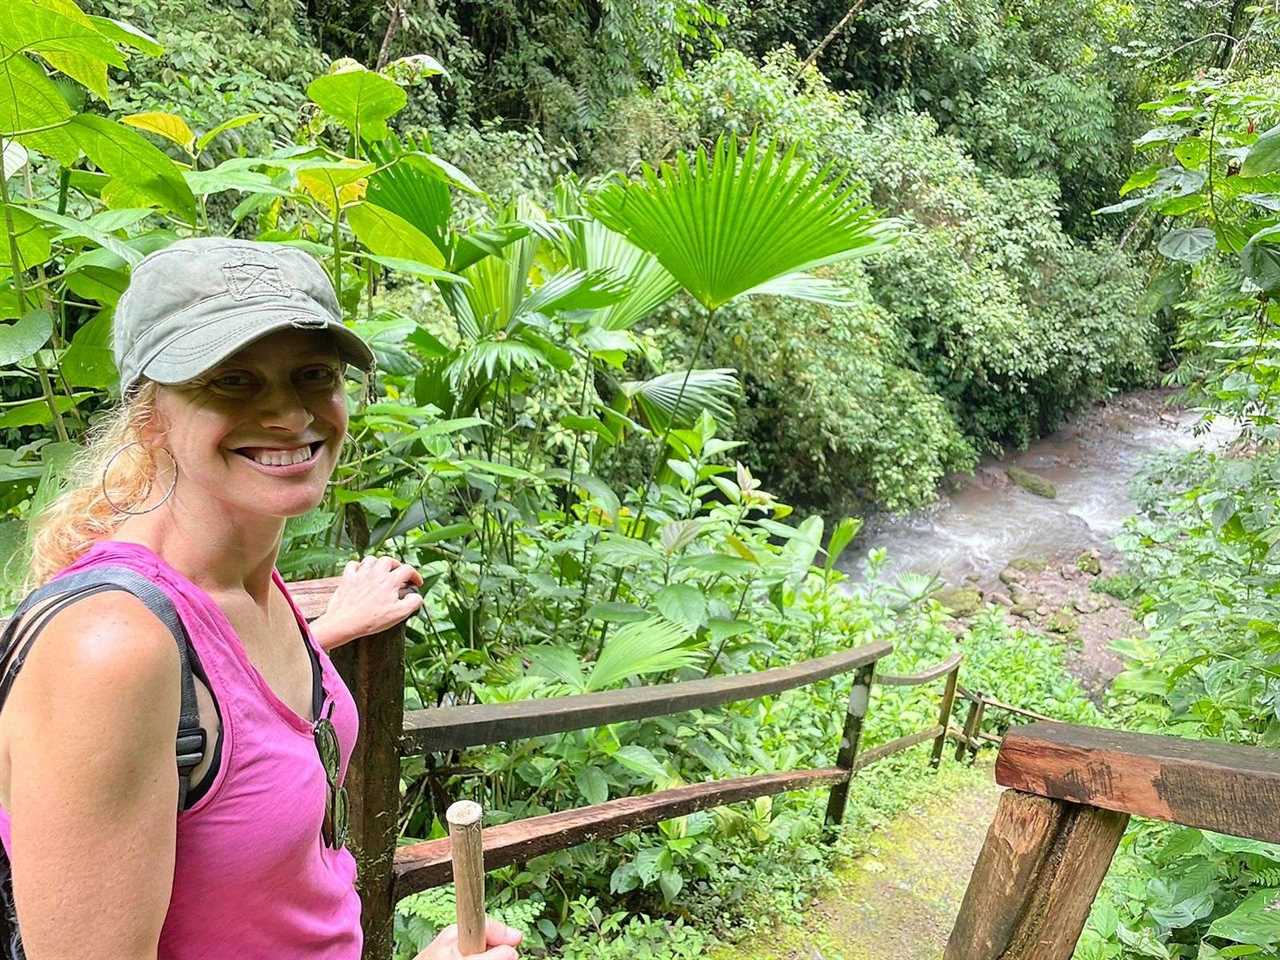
[(373, 667), (1071, 793)]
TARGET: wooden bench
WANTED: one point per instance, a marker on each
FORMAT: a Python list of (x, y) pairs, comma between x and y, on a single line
[(373, 668), (1071, 792)]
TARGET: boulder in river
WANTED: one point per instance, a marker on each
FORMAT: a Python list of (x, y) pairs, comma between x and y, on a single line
[(1063, 622), (1028, 564), (1089, 562), (960, 601), (1032, 482)]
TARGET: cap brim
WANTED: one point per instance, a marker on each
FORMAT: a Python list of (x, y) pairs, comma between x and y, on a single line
[(203, 348)]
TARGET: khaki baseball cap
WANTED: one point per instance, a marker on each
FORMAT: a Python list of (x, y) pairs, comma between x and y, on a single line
[(196, 302)]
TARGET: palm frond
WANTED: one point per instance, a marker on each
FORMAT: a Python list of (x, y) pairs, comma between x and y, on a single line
[(642, 648), (406, 187), (726, 225), (710, 390), (589, 245)]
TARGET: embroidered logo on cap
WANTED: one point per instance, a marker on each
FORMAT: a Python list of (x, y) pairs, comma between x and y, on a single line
[(245, 280)]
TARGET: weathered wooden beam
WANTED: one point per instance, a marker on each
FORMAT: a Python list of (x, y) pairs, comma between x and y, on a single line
[(915, 679), (422, 865), (1035, 880), (447, 728), (944, 715), (855, 714), (1199, 783), (868, 757), (373, 669)]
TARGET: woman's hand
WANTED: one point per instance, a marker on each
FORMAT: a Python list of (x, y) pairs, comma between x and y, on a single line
[(500, 940), (371, 597)]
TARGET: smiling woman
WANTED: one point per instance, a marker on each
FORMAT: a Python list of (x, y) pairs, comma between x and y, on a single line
[(234, 410)]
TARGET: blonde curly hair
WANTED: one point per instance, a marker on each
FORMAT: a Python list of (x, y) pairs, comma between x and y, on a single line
[(83, 513)]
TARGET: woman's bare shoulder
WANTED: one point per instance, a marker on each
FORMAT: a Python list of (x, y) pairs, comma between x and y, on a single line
[(106, 650)]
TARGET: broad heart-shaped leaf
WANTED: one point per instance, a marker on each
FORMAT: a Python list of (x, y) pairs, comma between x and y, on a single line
[(168, 125), (1187, 244), (89, 362), (1260, 260), (359, 99), (142, 175), (1263, 156), (33, 240), (1255, 921), (592, 784), (21, 339), (30, 101), (389, 235), (59, 32), (682, 603), (727, 224)]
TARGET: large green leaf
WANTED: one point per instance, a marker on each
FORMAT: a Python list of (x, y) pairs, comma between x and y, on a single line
[(1264, 156), (725, 225), (60, 33), (390, 235), (30, 101), (127, 34), (142, 175), (32, 240), (1255, 921), (1260, 259), (358, 98), (21, 339), (1187, 244), (89, 362)]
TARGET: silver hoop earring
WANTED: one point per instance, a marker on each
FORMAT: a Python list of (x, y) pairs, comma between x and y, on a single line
[(137, 513)]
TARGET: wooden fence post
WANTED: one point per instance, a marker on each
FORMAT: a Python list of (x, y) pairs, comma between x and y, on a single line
[(972, 725), (373, 669), (1035, 879), (859, 698), (948, 702)]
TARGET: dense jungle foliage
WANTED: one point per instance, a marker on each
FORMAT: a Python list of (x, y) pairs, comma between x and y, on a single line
[(950, 225)]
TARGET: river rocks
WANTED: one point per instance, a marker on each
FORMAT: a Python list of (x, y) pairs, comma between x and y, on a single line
[(1089, 562), (1032, 482), (1024, 610), (1063, 622), (1011, 575), (1086, 605), (960, 601), (1000, 598), (1028, 564)]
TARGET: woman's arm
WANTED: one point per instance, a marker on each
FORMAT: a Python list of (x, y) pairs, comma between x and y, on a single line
[(93, 782)]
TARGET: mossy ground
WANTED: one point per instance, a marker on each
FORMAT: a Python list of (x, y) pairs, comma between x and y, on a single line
[(899, 899)]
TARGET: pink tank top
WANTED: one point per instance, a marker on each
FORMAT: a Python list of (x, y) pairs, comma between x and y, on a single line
[(253, 878)]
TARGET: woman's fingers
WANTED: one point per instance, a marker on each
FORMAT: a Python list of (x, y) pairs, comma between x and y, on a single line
[(496, 932), (496, 953)]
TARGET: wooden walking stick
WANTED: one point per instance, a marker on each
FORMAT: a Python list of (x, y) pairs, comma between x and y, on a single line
[(468, 873)]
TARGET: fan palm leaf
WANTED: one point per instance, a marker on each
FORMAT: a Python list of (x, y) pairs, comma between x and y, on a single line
[(678, 399), (726, 225), (655, 645)]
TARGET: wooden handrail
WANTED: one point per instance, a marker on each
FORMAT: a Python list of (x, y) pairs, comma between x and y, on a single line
[(1214, 786), (1071, 793), (446, 728), (915, 679), (422, 865)]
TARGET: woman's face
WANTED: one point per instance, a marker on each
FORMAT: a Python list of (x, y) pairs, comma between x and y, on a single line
[(261, 431)]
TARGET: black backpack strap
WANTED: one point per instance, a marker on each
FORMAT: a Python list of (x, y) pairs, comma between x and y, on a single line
[(191, 741)]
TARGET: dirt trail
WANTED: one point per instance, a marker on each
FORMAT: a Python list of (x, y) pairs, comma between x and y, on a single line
[(898, 902)]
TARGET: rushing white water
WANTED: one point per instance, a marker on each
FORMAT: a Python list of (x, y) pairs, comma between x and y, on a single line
[(977, 528)]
